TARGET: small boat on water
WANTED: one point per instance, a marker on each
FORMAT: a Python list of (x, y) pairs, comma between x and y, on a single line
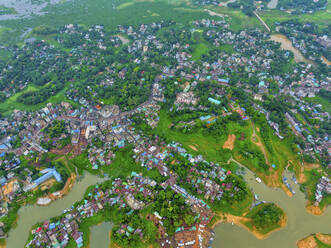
[(258, 180)]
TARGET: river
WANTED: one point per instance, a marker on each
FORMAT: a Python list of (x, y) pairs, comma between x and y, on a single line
[(32, 214), (286, 44), (299, 225), (100, 235)]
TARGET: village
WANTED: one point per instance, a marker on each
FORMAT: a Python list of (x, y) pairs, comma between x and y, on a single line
[(84, 123)]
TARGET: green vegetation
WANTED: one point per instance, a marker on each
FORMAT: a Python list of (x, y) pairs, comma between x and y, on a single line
[(265, 218), (123, 164), (89, 12), (6, 11)]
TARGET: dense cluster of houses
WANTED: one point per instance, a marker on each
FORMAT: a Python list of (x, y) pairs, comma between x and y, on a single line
[(99, 128), (323, 187)]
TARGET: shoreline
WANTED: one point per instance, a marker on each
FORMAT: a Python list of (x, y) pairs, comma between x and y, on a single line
[(66, 189), (310, 242), (237, 220), (314, 210)]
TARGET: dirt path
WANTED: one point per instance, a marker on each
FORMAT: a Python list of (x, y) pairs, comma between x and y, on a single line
[(256, 140), (193, 148), (123, 39), (229, 143)]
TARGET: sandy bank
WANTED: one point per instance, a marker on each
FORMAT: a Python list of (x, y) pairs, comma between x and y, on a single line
[(239, 221), (314, 210), (310, 241)]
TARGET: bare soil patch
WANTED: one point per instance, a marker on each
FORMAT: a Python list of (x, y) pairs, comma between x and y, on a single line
[(229, 143), (326, 239), (309, 166), (308, 242), (193, 148), (314, 210)]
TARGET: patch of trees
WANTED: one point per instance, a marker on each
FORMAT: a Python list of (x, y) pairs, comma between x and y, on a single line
[(56, 129), (171, 206), (267, 215), (302, 6)]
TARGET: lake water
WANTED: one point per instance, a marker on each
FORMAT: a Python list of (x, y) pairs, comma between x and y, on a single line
[(32, 214), (100, 235), (286, 44), (299, 224)]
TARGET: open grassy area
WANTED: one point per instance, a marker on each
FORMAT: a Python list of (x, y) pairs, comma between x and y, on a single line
[(109, 13), (326, 106), (208, 146), (237, 19), (211, 147), (123, 164), (322, 18), (11, 103)]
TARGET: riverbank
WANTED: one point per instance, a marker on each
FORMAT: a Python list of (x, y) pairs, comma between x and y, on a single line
[(311, 241), (286, 44), (315, 210), (240, 220), (45, 201), (3, 244)]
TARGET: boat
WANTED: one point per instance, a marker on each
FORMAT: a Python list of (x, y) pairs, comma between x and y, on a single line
[(258, 180)]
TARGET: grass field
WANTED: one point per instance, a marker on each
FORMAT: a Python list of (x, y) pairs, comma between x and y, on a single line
[(208, 146), (110, 13), (326, 106), (11, 103)]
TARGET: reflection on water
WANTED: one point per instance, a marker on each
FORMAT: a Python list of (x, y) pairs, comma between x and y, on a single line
[(32, 214), (299, 225)]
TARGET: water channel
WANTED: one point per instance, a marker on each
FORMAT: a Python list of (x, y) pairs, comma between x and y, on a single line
[(286, 44), (32, 214), (299, 224)]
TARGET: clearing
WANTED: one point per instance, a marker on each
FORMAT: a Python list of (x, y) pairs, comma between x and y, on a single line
[(229, 143)]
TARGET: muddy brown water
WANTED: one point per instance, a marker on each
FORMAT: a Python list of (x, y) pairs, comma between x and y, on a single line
[(299, 225), (286, 44), (32, 214)]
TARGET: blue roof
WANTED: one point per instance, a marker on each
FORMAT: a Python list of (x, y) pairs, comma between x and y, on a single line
[(222, 80), (48, 173), (214, 101), (298, 128), (3, 146), (205, 117)]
